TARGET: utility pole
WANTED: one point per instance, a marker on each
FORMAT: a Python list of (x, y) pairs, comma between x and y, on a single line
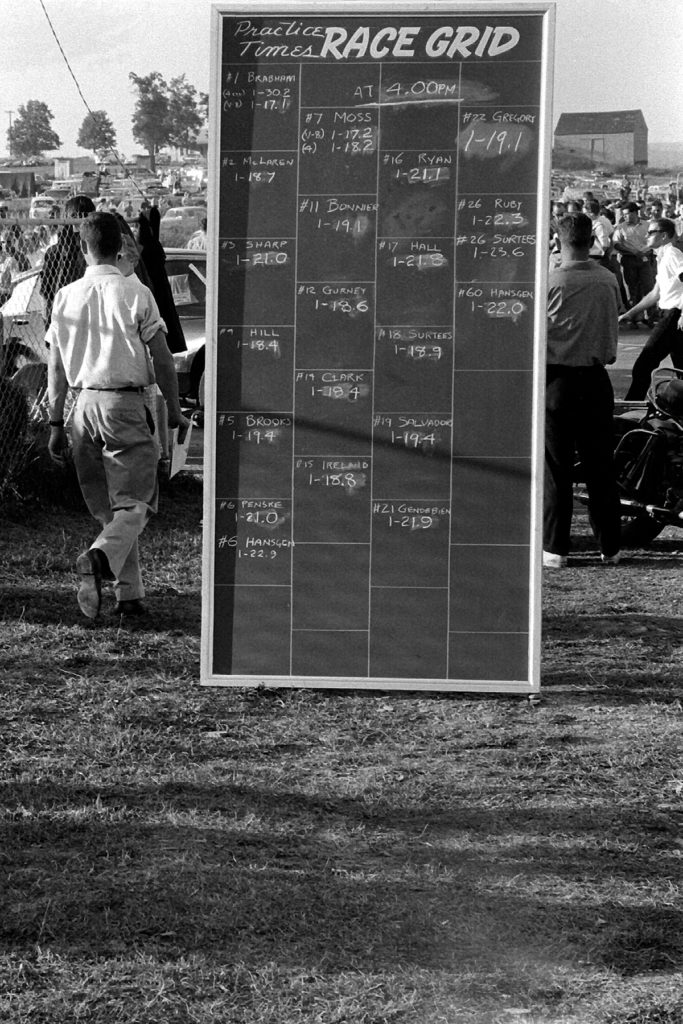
[(9, 137)]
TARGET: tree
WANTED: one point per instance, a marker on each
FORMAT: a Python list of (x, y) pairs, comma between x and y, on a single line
[(150, 118), (97, 132), (165, 113), (184, 117), (31, 132)]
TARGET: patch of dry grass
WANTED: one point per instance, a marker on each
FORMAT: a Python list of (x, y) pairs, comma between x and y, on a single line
[(176, 854)]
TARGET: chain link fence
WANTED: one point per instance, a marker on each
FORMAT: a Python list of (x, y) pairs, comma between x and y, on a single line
[(29, 278), (37, 258)]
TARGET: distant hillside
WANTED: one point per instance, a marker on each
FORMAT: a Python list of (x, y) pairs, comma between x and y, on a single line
[(665, 154)]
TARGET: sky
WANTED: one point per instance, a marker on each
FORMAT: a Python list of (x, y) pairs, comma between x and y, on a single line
[(609, 55)]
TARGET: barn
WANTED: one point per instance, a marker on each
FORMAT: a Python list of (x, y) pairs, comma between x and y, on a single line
[(610, 139)]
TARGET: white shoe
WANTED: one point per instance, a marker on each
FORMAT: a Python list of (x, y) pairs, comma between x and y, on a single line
[(553, 561), (610, 559)]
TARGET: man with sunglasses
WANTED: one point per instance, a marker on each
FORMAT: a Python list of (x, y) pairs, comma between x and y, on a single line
[(667, 336)]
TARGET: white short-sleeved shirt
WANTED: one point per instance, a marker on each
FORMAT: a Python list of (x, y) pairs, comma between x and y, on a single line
[(669, 267), (101, 325)]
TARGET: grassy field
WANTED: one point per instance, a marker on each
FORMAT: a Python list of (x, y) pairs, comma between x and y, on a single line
[(172, 854)]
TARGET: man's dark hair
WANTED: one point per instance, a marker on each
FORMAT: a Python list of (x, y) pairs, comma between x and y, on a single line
[(576, 230), (78, 206), (592, 205), (102, 234), (665, 225)]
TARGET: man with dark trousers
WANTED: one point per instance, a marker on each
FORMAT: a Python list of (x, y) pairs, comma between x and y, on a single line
[(667, 337), (630, 240), (583, 306)]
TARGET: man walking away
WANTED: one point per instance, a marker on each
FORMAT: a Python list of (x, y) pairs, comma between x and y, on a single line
[(583, 303), (108, 342)]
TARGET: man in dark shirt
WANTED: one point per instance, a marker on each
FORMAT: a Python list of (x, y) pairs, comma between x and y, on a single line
[(64, 262), (583, 306)]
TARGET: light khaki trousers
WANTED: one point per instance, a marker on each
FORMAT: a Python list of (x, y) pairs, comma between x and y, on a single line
[(116, 457)]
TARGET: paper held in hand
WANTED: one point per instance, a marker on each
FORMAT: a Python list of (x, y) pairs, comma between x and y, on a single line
[(178, 451)]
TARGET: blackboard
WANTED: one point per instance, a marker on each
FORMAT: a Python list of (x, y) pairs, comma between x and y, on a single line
[(377, 255)]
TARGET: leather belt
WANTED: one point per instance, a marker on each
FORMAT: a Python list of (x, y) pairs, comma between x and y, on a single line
[(130, 387)]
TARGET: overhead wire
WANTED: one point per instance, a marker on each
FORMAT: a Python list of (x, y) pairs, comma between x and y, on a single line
[(108, 147)]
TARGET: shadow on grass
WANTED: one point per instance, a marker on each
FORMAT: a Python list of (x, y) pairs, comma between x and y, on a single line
[(262, 876), (616, 689), (620, 625), (58, 607)]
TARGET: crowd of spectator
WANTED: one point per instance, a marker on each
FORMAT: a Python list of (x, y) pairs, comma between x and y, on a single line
[(25, 246), (620, 238)]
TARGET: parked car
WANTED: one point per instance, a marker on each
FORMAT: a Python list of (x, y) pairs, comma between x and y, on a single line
[(58, 190), (22, 316), (44, 207), (186, 271), (114, 193), (179, 223)]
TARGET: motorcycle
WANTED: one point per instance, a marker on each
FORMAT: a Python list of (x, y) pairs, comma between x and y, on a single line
[(648, 459)]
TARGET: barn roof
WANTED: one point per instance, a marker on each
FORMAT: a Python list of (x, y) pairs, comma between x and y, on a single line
[(613, 122)]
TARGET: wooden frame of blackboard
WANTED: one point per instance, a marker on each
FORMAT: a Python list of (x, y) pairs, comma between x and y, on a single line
[(252, 626)]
